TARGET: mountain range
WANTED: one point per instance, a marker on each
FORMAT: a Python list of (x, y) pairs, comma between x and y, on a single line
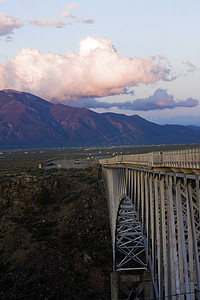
[(29, 121)]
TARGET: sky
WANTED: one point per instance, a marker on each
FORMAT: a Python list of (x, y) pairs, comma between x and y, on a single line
[(131, 57)]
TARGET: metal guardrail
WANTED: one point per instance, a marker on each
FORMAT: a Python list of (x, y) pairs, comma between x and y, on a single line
[(187, 158)]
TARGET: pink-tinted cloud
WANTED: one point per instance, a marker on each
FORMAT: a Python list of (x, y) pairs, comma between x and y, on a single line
[(190, 66), (160, 100), (85, 21), (96, 71), (8, 24), (56, 22), (66, 12), (181, 8), (45, 22)]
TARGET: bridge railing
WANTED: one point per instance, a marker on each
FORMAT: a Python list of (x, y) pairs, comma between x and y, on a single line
[(187, 158)]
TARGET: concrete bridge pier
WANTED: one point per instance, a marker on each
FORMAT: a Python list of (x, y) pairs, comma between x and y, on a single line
[(130, 286), (115, 286), (148, 286)]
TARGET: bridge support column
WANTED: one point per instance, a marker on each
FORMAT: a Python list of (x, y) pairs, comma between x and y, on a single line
[(148, 286), (115, 288)]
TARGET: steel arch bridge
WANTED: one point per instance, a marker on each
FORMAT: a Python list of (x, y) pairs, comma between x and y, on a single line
[(154, 207)]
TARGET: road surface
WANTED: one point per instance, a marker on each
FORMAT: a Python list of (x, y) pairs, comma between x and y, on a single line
[(67, 164)]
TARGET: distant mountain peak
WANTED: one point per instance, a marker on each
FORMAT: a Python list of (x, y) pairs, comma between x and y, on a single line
[(24, 96), (11, 91)]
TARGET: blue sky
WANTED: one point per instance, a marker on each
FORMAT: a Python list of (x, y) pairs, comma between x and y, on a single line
[(132, 57)]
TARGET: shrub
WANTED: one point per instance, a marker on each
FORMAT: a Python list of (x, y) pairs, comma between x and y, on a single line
[(43, 197)]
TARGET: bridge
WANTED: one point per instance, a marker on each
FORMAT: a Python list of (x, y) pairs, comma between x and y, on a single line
[(154, 208)]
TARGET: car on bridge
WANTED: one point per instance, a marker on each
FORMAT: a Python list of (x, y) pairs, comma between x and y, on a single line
[(49, 164), (77, 161)]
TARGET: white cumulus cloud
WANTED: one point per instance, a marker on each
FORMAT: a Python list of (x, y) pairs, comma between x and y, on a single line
[(96, 71), (8, 24)]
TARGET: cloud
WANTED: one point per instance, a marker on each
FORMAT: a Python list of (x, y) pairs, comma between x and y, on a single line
[(159, 101), (45, 22), (181, 8), (66, 12), (88, 21), (56, 22), (8, 24), (162, 100), (71, 6), (191, 67), (8, 39), (96, 71)]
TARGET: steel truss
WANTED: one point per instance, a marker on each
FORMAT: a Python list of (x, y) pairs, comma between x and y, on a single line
[(129, 239)]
